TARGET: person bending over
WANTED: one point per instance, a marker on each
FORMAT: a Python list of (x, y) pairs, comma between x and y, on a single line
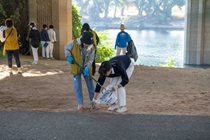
[(119, 69)]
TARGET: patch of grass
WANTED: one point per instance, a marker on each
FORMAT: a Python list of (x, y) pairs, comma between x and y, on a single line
[(170, 63)]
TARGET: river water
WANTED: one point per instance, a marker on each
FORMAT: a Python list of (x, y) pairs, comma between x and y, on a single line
[(155, 47)]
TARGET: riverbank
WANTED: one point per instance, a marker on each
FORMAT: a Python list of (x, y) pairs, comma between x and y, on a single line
[(48, 87), (136, 25), (145, 27)]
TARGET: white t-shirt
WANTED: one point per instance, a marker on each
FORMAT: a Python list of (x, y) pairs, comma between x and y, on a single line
[(2, 28), (52, 35)]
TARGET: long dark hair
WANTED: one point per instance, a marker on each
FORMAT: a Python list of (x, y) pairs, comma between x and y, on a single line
[(104, 68), (9, 22), (85, 27)]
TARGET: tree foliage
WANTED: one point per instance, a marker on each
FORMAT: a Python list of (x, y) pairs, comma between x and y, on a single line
[(103, 54), (76, 22), (17, 10), (156, 10), (104, 49)]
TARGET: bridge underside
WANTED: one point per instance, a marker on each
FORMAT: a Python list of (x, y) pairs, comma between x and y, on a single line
[(197, 29)]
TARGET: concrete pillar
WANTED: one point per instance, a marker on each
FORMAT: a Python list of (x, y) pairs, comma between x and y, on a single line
[(206, 45), (62, 18), (57, 13), (197, 20), (32, 10)]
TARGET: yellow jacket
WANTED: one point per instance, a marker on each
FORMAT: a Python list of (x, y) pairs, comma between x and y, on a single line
[(76, 54), (12, 41)]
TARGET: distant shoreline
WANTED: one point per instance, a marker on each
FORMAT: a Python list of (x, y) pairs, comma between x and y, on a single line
[(153, 27)]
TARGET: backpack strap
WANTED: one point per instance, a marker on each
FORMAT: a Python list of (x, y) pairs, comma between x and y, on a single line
[(8, 35)]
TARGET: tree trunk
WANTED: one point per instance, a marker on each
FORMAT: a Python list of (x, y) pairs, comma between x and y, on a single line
[(115, 11), (122, 11), (106, 9), (97, 9)]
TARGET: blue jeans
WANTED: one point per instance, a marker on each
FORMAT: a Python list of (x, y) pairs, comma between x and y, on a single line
[(9, 57), (78, 88)]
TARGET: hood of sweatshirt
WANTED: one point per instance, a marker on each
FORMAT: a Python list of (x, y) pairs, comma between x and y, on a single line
[(34, 28)]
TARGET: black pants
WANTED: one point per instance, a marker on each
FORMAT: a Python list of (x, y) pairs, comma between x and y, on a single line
[(93, 67), (16, 55)]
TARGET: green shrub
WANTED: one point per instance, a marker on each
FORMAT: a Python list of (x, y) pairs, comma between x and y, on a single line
[(170, 63), (76, 22), (104, 54), (104, 50)]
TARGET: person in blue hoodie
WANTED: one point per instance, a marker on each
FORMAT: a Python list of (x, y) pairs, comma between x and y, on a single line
[(122, 41), (45, 40)]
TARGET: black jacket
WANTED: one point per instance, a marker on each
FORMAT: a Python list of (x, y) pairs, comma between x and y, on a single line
[(119, 64), (35, 38)]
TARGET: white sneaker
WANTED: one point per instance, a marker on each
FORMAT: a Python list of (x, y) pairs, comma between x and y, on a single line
[(80, 107), (34, 62), (19, 71), (113, 107), (94, 105), (122, 109), (10, 72)]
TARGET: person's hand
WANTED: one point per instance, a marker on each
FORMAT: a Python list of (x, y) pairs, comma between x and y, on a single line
[(114, 88), (70, 59), (85, 72)]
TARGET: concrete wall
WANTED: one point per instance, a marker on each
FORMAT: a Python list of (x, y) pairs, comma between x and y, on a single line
[(57, 13), (197, 48), (207, 33)]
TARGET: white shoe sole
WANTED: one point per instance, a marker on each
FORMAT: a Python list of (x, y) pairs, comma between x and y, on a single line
[(121, 111), (112, 109)]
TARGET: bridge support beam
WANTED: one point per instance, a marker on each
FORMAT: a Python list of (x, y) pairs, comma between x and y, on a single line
[(197, 35)]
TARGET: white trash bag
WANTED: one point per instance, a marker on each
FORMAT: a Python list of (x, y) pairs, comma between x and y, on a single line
[(107, 96)]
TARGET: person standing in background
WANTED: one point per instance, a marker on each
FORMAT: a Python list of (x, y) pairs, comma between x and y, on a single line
[(86, 28), (34, 36), (122, 40), (45, 40), (52, 36), (2, 28), (11, 45)]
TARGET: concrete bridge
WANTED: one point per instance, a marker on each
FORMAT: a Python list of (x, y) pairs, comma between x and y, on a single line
[(197, 28)]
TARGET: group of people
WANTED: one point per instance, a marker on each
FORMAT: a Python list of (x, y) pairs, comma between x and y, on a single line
[(80, 54), (46, 37)]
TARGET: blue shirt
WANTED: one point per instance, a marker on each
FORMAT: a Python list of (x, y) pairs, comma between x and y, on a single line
[(44, 35), (122, 39)]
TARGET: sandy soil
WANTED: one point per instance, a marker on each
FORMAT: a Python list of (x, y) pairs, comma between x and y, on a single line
[(151, 90)]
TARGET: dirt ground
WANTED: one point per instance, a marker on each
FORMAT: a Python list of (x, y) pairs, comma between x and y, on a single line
[(151, 90)]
